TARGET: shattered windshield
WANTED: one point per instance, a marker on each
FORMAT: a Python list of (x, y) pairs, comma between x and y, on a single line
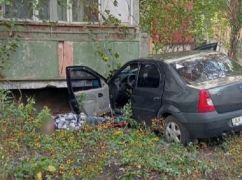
[(207, 67)]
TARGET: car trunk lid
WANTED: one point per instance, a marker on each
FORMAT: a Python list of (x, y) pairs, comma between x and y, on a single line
[(228, 97)]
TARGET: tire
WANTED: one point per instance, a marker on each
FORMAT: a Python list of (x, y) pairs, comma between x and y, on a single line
[(175, 132)]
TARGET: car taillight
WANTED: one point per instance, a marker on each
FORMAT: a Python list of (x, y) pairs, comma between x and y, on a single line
[(205, 103)]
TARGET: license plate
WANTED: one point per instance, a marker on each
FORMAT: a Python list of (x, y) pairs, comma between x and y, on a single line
[(237, 121)]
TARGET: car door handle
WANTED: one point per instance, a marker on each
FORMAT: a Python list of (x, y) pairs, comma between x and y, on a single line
[(156, 98), (100, 95)]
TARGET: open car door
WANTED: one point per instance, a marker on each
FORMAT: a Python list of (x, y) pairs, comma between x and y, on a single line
[(88, 91)]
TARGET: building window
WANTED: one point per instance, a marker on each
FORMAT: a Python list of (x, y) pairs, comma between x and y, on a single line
[(85, 10), (43, 8), (77, 10), (62, 8), (91, 11), (53, 10), (66, 10), (21, 9)]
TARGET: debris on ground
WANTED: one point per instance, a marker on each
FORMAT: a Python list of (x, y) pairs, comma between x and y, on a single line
[(71, 121), (68, 121)]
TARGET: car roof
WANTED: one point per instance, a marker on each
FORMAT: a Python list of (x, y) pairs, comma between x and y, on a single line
[(177, 56)]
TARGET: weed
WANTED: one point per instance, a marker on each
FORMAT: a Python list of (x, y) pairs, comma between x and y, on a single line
[(27, 153), (128, 115)]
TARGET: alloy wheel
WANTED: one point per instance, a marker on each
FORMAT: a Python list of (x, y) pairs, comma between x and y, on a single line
[(173, 132)]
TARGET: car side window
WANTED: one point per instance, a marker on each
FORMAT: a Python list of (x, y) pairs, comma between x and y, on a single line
[(149, 76), (82, 80)]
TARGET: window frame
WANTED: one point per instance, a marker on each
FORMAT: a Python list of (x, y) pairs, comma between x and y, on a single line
[(35, 17), (69, 20), (84, 69), (131, 15)]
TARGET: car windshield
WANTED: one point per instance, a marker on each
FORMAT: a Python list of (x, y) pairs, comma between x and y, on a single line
[(207, 67)]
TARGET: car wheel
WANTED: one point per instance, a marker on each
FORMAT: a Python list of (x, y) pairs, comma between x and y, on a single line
[(175, 131)]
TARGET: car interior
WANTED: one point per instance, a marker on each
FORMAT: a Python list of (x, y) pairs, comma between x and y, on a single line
[(122, 86)]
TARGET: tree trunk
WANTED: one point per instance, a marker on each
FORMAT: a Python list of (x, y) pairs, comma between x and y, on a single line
[(234, 10)]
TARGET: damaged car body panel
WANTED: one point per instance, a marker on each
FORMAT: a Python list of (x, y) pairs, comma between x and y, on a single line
[(140, 81), (147, 95), (197, 93), (88, 90)]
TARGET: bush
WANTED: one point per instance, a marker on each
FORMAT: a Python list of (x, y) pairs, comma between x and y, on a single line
[(128, 115), (27, 153), (20, 126)]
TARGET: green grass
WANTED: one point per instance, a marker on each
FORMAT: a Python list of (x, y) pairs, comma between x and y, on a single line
[(100, 152)]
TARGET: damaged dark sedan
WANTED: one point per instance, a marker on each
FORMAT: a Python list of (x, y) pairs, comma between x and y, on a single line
[(197, 93)]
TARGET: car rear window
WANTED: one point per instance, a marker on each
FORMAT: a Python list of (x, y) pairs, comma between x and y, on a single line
[(207, 67)]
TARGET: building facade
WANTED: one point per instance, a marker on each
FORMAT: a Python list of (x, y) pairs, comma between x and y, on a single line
[(53, 34)]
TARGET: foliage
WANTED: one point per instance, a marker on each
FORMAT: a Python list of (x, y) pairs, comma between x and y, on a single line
[(100, 152), (234, 15), (205, 16), (201, 20), (5, 102), (110, 57), (157, 125), (110, 19), (128, 115), (8, 46), (163, 19), (157, 157)]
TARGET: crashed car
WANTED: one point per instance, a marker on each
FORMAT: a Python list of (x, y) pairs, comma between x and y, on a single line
[(198, 94)]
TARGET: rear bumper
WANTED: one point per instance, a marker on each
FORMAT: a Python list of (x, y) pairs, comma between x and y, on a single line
[(205, 125)]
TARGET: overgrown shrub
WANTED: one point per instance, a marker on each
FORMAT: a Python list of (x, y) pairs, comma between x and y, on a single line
[(135, 153), (128, 115), (20, 125)]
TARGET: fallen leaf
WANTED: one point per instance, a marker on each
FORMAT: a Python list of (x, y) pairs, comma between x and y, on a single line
[(51, 168), (39, 176)]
